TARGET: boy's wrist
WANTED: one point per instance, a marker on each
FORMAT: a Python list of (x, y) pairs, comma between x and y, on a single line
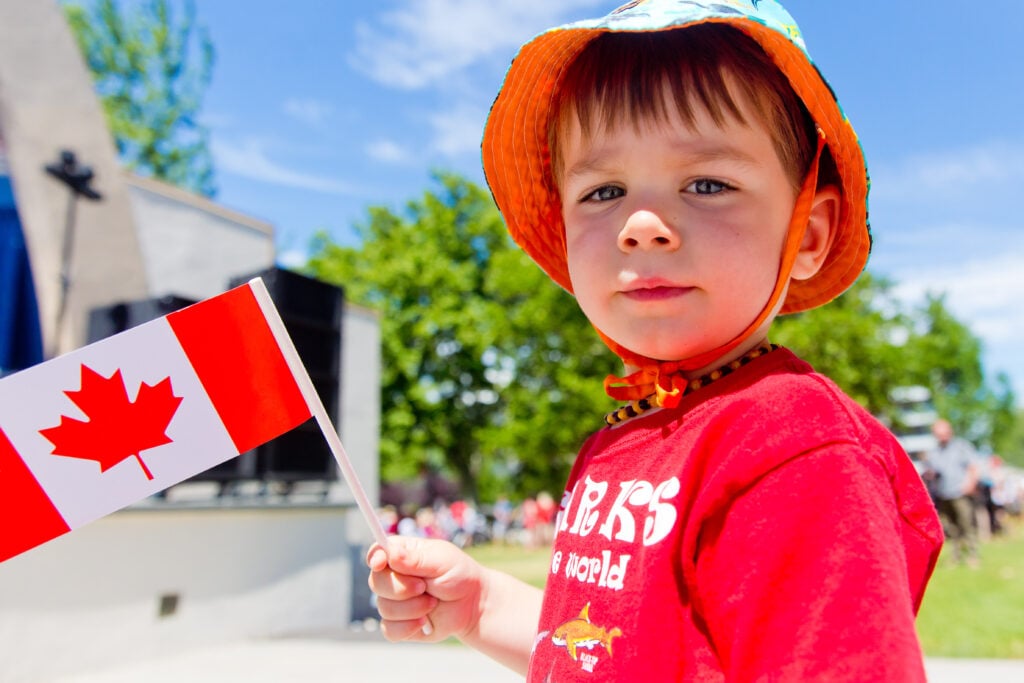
[(506, 620)]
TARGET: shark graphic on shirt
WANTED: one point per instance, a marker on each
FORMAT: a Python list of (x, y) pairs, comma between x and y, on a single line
[(580, 632)]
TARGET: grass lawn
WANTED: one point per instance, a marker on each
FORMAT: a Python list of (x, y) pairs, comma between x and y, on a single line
[(966, 612), (528, 564), (977, 612)]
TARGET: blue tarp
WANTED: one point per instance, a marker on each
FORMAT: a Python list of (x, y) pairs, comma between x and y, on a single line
[(21, 340)]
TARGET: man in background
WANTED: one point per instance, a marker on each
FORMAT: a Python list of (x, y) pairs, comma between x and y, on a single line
[(954, 461)]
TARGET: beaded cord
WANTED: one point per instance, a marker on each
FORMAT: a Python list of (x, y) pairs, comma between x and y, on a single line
[(636, 408)]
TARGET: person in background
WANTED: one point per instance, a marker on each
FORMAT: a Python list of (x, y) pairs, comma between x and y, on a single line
[(954, 462)]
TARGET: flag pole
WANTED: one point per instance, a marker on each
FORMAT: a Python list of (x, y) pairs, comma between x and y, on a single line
[(316, 406)]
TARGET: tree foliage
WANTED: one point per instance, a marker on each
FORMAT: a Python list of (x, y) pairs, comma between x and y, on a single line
[(151, 74), (557, 396), (490, 371), (1009, 439)]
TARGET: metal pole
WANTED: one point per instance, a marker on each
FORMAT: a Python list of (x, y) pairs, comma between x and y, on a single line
[(77, 178), (66, 250)]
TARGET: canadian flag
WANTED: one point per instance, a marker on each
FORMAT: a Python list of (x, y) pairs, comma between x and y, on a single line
[(102, 427)]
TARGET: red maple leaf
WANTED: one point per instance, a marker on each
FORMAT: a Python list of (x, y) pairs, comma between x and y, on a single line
[(117, 428)]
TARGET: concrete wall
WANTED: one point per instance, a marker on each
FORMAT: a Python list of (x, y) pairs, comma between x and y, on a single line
[(191, 246), (93, 599), (359, 424), (142, 553)]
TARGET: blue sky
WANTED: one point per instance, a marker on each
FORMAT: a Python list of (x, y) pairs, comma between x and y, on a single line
[(319, 109)]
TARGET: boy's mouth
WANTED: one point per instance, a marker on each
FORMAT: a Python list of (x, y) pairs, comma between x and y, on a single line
[(656, 293), (654, 290)]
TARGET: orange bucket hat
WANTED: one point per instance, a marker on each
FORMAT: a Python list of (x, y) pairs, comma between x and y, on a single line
[(517, 161)]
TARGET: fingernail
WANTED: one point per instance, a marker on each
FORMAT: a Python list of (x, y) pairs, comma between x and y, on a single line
[(426, 626)]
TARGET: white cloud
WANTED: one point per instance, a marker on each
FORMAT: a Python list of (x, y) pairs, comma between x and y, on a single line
[(388, 151), (308, 111), (424, 42), (458, 130), (250, 160), (439, 44), (951, 174), (903, 247), (986, 292)]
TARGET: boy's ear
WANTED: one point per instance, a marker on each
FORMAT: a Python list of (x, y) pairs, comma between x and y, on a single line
[(820, 233)]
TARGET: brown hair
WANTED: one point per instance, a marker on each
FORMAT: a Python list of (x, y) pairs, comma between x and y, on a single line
[(630, 77)]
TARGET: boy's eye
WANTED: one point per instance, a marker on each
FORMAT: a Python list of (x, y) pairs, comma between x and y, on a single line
[(707, 186), (604, 194)]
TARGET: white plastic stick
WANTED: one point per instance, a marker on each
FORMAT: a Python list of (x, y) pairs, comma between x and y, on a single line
[(316, 407)]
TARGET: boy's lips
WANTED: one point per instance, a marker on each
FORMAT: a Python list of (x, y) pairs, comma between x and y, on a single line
[(654, 290)]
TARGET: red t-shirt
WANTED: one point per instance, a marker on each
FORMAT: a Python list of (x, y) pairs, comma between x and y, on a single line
[(766, 529)]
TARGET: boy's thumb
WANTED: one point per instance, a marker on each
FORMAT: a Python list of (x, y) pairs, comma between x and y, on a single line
[(424, 557)]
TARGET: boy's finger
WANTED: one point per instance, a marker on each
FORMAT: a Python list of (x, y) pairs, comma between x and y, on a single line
[(376, 557), (397, 631), (391, 584), (413, 609)]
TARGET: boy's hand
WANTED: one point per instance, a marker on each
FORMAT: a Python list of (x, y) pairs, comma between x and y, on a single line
[(417, 580)]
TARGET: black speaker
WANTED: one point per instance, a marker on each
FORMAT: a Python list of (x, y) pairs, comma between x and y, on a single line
[(312, 313), (109, 320)]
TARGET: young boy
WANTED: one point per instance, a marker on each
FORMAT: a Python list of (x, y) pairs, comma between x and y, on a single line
[(683, 169)]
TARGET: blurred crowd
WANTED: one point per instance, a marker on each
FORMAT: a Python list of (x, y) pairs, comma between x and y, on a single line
[(529, 522)]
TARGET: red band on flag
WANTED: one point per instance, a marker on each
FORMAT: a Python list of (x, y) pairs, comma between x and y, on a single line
[(234, 353), (28, 517)]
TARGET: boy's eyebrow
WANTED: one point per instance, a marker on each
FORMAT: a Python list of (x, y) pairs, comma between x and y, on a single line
[(693, 152), (716, 152)]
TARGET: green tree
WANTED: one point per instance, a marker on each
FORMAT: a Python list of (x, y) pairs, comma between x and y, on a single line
[(1008, 439), (485, 361), (557, 396), (151, 74)]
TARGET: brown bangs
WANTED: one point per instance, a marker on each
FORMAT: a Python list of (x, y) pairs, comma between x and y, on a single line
[(635, 77)]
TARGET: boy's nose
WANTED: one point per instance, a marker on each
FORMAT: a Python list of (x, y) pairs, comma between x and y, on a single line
[(646, 230)]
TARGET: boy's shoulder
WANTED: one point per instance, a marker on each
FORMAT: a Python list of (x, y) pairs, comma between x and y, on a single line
[(786, 408), (787, 387)]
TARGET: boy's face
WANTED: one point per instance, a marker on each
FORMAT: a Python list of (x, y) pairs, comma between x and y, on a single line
[(674, 234)]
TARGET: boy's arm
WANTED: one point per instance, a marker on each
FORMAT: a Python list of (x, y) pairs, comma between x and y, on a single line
[(805, 576), (508, 621), (420, 579)]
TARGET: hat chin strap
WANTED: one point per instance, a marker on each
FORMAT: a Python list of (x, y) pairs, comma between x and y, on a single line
[(665, 380)]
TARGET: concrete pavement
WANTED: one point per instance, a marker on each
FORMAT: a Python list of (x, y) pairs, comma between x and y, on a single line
[(372, 659)]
